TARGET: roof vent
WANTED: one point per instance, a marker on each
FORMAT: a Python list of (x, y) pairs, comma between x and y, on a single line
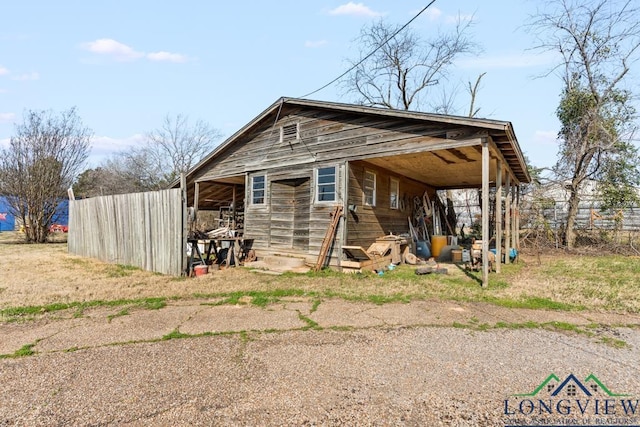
[(290, 133)]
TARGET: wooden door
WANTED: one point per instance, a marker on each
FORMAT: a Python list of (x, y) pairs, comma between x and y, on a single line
[(290, 207)]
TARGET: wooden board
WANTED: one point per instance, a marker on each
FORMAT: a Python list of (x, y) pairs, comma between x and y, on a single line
[(356, 253), (380, 248)]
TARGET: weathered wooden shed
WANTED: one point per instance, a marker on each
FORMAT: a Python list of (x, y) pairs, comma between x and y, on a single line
[(286, 170)]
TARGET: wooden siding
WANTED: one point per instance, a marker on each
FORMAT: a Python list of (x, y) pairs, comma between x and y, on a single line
[(324, 137), (291, 221), (330, 138), (141, 229), (370, 223)]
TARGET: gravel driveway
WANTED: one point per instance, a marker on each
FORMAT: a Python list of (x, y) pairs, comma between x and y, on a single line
[(343, 372)]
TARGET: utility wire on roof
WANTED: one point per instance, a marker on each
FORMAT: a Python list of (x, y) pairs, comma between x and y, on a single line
[(372, 52)]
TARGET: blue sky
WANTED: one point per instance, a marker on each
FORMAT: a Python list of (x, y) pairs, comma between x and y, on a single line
[(126, 64)]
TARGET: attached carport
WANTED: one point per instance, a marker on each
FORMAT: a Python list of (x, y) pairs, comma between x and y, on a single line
[(491, 158)]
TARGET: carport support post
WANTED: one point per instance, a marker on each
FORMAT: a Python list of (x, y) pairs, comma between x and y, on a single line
[(498, 215), (507, 221), (485, 212), (196, 197), (516, 218), (233, 209)]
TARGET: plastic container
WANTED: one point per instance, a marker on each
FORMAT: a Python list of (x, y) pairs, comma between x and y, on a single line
[(201, 270), (437, 243), (422, 249)]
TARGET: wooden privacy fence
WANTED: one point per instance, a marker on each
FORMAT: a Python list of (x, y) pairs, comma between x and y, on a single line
[(140, 229)]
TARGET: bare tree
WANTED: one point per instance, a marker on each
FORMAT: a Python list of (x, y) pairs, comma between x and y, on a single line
[(177, 145), (473, 93), (400, 73), (597, 40), (40, 164), (173, 148), (127, 172)]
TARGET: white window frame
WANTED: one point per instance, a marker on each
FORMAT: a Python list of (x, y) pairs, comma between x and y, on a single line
[(318, 184), (264, 189), (367, 177), (394, 190)]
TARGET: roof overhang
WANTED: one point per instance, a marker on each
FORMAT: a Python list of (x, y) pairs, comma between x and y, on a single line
[(500, 134)]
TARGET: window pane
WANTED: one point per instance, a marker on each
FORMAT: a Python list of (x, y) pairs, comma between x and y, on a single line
[(326, 179), (326, 193), (369, 189), (394, 189), (327, 171), (326, 185), (257, 190)]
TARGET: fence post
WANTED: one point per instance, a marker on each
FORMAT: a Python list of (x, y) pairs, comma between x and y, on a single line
[(183, 189)]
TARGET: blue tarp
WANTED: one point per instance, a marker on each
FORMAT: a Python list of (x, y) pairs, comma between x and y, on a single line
[(8, 222), (62, 213)]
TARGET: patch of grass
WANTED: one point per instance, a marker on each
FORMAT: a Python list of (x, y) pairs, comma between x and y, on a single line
[(613, 342), (315, 305), (123, 312), (594, 273), (525, 325), (483, 327), (174, 335), (244, 336), (257, 298), (24, 351), (311, 324), (325, 272), (77, 261), (534, 303), (564, 326), (153, 303), (14, 313), (120, 270), (385, 299)]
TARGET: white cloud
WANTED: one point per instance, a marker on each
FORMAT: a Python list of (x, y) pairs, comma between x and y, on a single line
[(7, 117), (314, 44), (166, 57), (26, 77), (356, 9), (433, 13), (3, 71), (119, 51), (106, 144), (123, 53), (103, 147), (513, 60)]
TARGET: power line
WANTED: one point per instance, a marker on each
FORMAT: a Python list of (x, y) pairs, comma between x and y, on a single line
[(372, 52)]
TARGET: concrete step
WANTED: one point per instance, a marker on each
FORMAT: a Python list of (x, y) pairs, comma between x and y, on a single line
[(279, 264)]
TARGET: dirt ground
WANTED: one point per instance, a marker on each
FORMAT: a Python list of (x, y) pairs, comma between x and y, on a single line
[(36, 275)]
